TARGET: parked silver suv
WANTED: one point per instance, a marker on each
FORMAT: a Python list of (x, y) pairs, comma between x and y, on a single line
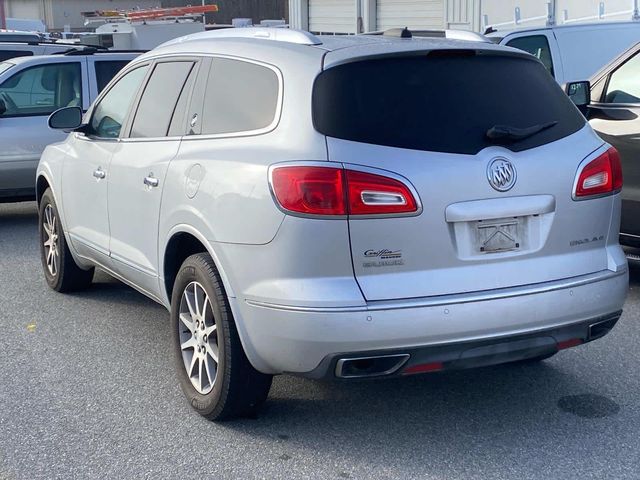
[(338, 207)]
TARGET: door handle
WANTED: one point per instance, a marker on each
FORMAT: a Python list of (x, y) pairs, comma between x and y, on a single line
[(151, 181), (99, 174)]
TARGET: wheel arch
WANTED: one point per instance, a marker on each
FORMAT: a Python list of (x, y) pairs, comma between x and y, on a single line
[(42, 183), (182, 242)]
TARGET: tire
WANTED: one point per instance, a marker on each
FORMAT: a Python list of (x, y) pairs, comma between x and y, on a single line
[(204, 331), (60, 269)]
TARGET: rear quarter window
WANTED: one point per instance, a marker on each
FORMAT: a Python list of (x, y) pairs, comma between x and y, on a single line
[(441, 102), (240, 96)]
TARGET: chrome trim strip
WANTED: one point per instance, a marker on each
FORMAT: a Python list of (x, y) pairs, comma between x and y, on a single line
[(459, 298), (630, 235)]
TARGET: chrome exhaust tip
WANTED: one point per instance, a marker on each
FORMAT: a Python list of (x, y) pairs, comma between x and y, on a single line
[(375, 366), (600, 329)]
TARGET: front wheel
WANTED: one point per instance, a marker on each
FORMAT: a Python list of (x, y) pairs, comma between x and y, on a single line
[(214, 372), (60, 269)]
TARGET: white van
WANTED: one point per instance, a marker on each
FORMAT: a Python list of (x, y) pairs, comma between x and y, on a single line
[(573, 52)]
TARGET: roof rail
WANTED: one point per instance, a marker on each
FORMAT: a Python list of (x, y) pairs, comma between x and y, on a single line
[(80, 50), (448, 34), (266, 33), (22, 41), (398, 32)]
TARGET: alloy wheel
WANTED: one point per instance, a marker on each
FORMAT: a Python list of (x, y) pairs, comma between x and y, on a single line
[(52, 243), (197, 331)]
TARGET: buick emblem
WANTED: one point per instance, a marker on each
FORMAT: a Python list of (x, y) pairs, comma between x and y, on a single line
[(501, 174)]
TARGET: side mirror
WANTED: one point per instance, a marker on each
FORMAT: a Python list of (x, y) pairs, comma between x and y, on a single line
[(68, 118), (579, 93), (3, 107)]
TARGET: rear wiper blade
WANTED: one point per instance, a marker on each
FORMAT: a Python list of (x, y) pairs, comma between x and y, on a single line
[(507, 133)]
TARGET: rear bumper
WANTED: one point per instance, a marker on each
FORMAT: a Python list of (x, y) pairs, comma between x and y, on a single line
[(309, 341), (457, 356)]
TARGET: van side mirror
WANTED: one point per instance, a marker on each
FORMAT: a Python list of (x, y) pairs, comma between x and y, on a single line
[(68, 118), (579, 93), (3, 107)]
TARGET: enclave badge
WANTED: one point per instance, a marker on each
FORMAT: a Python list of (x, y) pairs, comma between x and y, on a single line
[(501, 174)]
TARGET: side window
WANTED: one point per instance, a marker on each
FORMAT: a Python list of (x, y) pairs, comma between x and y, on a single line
[(106, 70), (624, 83), (159, 99), (536, 45), (240, 97), (177, 126), (109, 115), (42, 90), (7, 54)]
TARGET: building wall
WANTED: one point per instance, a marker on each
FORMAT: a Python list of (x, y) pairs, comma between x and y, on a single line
[(58, 13), (31, 9)]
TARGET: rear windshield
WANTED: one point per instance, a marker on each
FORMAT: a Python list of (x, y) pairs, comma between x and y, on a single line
[(442, 102)]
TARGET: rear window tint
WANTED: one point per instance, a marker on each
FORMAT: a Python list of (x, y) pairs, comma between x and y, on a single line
[(536, 45), (106, 70), (8, 54), (159, 99), (240, 97), (443, 102)]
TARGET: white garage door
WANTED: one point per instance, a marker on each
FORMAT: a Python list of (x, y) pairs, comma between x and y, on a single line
[(332, 16), (23, 9), (415, 14)]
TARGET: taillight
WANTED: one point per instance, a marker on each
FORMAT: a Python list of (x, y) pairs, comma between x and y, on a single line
[(318, 190), (371, 194), (600, 176), (310, 190)]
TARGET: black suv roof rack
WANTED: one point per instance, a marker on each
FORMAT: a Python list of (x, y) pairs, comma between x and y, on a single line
[(92, 50), (24, 42)]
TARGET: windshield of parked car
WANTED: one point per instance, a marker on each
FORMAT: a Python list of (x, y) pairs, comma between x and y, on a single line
[(445, 101)]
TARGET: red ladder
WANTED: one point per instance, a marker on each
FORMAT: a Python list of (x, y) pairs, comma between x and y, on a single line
[(156, 13)]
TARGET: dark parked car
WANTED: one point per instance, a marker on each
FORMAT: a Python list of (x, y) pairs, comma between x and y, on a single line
[(611, 102)]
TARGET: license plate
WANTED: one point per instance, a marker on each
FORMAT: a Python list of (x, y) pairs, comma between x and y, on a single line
[(497, 236)]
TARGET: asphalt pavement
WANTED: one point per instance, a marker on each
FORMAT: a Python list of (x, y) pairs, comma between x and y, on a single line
[(88, 390)]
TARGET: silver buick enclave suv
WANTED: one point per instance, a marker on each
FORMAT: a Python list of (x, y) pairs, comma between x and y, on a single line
[(338, 207)]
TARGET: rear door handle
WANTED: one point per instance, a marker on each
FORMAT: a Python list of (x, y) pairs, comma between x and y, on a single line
[(99, 174), (151, 181)]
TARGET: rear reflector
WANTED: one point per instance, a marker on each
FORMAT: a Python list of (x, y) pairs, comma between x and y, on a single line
[(600, 176), (574, 342), (423, 368), (318, 190)]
